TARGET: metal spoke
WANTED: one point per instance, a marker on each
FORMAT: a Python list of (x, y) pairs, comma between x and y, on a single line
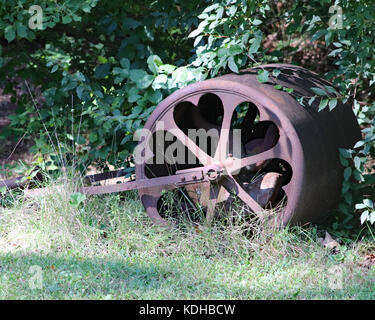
[(230, 103), (238, 164), (278, 151), (233, 185), (171, 126), (217, 194), (247, 124), (150, 200)]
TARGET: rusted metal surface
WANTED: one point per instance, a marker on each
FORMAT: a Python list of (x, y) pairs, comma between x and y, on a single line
[(297, 156), (181, 178), (287, 157), (105, 176), (265, 188), (14, 183), (20, 182)]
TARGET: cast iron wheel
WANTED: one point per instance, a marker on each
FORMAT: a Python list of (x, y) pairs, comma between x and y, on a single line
[(288, 156)]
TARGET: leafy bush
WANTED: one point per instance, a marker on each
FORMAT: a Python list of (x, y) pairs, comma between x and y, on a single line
[(98, 81), (352, 49)]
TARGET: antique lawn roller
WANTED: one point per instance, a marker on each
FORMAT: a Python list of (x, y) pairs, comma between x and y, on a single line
[(262, 146)]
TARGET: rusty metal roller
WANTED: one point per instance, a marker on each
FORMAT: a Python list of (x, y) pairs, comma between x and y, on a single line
[(261, 146)]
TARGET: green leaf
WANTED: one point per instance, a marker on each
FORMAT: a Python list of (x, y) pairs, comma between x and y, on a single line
[(155, 97), (102, 70), (122, 74), (232, 64), (276, 72), (3, 190), (360, 206), (125, 139), (80, 89), (80, 140), (358, 176), (79, 76), (10, 34), (198, 40), (219, 13), (83, 92), (93, 137), (368, 203), (331, 89), (180, 75), (136, 111), (347, 173), (311, 101), (195, 33), (256, 22), (372, 217), (348, 198), (159, 82), (211, 8), (289, 90), (255, 45), (54, 68), (76, 199), (318, 34), (343, 161), (154, 62), (141, 78), (21, 30), (357, 163), (364, 216), (263, 76), (137, 74), (66, 19), (86, 8), (223, 52), (235, 50), (319, 91), (125, 63), (345, 153), (323, 104), (345, 187), (133, 98), (332, 104), (167, 68), (102, 59), (359, 144), (232, 10)]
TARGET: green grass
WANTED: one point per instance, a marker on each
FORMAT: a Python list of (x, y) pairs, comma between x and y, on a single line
[(109, 249)]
